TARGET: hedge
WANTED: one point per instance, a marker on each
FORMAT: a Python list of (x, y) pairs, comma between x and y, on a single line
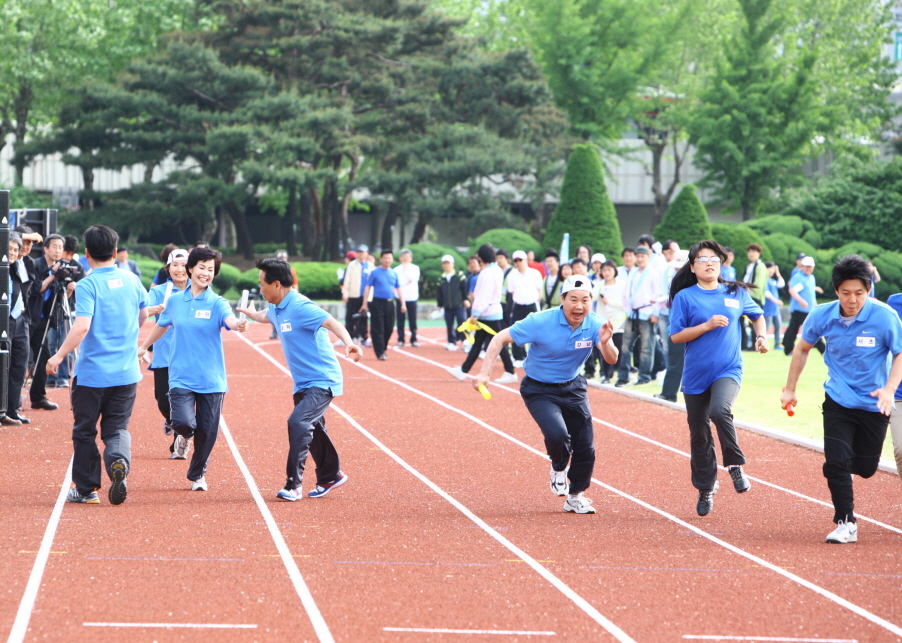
[(428, 256), (585, 209), (794, 226), (227, 278), (686, 220), (149, 269), (784, 249), (506, 238), (738, 236)]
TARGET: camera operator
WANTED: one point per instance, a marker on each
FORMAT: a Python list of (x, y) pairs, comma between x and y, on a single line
[(53, 276), (18, 333), (56, 332)]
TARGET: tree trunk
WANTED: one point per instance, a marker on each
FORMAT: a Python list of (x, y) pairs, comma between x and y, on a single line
[(87, 175), (391, 218), (419, 230), (21, 107), (242, 232), (149, 167), (291, 219), (661, 202), (310, 240), (331, 208)]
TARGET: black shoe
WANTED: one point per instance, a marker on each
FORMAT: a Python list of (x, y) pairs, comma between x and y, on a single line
[(705, 502), (8, 421), (621, 383), (382, 357), (118, 489), (45, 404), (740, 482), (23, 420), (664, 397), (401, 344)]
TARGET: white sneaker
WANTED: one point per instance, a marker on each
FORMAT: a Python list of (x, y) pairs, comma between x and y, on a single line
[(845, 532), (451, 347), (481, 354), (578, 504), (199, 485), (457, 372), (182, 445), (518, 363), (466, 346), (507, 378), (338, 343), (559, 484)]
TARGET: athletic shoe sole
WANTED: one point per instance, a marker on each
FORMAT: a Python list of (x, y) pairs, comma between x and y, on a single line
[(316, 493), (290, 497), (118, 489)]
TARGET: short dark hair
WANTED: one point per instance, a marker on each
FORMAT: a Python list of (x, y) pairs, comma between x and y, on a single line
[(276, 270), (551, 252), (121, 249), (472, 257), (729, 250), (166, 251), (668, 243), (51, 237), (627, 249), (100, 242), (502, 252), (204, 254), (646, 239), (70, 243), (387, 251), (486, 253), (577, 260), (610, 264), (23, 229), (769, 264), (852, 267), (754, 246)]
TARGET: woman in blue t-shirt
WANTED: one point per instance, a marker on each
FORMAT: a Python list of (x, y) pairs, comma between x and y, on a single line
[(705, 314)]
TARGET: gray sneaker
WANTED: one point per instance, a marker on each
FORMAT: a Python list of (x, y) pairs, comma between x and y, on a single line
[(578, 504), (559, 484), (118, 488), (740, 482), (182, 446)]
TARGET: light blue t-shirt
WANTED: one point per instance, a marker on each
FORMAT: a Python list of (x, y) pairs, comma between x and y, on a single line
[(556, 351), (162, 346), (807, 292), (716, 353), (109, 352), (306, 344), (771, 309), (728, 273), (856, 354), (895, 302), (196, 358), (383, 282)]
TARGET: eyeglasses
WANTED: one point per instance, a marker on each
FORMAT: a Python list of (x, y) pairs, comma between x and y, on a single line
[(704, 260), (517, 259)]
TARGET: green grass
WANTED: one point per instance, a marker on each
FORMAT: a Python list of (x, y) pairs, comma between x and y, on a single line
[(759, 397)]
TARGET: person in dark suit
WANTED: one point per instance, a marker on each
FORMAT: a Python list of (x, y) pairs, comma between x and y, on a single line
[(124, 263), (18, 333)]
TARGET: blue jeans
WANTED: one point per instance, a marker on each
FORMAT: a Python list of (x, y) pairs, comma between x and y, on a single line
[(643, 328)]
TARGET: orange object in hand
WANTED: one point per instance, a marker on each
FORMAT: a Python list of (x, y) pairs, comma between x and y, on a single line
[(790, 411)]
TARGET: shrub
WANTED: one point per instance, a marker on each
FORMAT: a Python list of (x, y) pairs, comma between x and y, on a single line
[(317, 280), (149, 269), (738, 236), (506, 238), (428, 256), (248, 279), (784, 248), (861, 248), (686, 220), (889, 265), (227, 278), (585, 210)]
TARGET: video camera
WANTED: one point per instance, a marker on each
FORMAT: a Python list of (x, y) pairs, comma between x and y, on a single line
[(64, 271)]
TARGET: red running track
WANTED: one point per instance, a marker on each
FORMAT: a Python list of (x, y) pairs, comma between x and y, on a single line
[(445, 531)]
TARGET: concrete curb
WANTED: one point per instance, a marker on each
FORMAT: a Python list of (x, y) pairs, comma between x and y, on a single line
[(778, 434)]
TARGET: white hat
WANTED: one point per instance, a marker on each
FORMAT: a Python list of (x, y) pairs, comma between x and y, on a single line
[(519, 254), (447, 258), (576, 282), (177, 255), (597, 257), (808, 261)]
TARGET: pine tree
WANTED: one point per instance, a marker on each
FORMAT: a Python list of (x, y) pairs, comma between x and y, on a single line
[(686, 220), (585, 210)]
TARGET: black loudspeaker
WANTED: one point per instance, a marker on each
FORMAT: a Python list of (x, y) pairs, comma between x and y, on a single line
[(4, 283), (4, 378), (4, 323), (44, 222), (4, 207)]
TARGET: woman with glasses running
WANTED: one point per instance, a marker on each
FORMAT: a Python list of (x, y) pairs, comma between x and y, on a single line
[(705, 315)]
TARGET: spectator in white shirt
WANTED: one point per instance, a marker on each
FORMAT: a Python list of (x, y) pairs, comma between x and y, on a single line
[(641, 299), (628, 256), (525, 287), (409, 281), (608, 296)]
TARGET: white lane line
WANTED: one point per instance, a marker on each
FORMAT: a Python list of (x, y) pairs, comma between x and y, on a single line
[(426, 630), (765, 638), (212, 626), (316, 618), (852, 607), (639, 436), (26, 606), (558, 584)]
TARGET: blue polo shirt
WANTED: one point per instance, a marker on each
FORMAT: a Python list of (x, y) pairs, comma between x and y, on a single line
[(306, 344), (716, 353), (383, 282), (771, 309), (196, 358), (163, 345), (895, 302), (728, 273), (556, 351), (807, 292), (856, 354), (108, 355)]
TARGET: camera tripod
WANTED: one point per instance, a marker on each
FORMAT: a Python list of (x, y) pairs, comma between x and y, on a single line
[(60, 318)]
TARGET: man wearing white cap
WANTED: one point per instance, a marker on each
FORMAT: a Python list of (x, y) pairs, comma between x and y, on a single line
[(802, 289), (553, 390), (525, 287), (452, 297)]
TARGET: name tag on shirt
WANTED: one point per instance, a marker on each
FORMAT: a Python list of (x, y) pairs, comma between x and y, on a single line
[(869, 342), (583, 343), (202, 314), (115, 283), (731, 303), (285, 327)]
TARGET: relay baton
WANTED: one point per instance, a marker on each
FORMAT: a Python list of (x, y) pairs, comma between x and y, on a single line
[(485, 392), (788, 408), (242, 303), (168, 292)]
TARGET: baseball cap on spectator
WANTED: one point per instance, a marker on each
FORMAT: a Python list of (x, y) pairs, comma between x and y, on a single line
[(642, 250), (351, 254), (808, 261), (363, 248), (177, 255), (576, 282), (447, 258), (519, 254), (801, 255), (597, 257)]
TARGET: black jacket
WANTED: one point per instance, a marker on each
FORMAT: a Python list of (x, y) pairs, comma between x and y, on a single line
[(451, 293)]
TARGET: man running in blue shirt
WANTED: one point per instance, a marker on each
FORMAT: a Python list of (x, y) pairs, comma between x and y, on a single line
[(110, 306), (303, 330), (561, 339), (861, 333)]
